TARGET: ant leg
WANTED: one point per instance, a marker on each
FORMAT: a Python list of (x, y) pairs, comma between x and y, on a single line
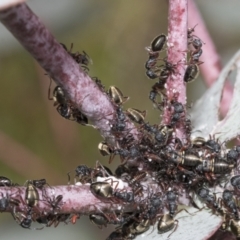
[(111, 158), (175, 228), (112, 182), (69, 179), (184, 209), (49, 90)]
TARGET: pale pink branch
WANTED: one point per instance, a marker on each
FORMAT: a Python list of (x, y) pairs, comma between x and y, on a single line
[(60, 66), (177, 46), (76, 199), (212, 62)]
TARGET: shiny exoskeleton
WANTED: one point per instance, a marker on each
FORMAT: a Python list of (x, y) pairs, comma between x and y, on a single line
[(120, 123), (184, 159), (133, 228), (198, 142), (118, 234), (229, 202), (213, 145), (24, 219), (153, 74), (156, 46), (235, 181), (83, 173), (232, 156), (102, 189), (55, 202), (100, 171), (121, 169), (195, 55), (215, 165), (166, 223), (125, 196), (98, 220), (178, 107), (168, 69), (38, 183), (231, 224), (191, 73), (196, 43), (6, 201), (5, 182), (172, 202), (31, 195), (78, 57), (116, 95), (104, 149), (27, 220), (153, 50), (65, 107), (151, 62), (190, 180), (53, 219), (235, 227), (158, 43), (154, 207), (60, 101), (157, 88), (136, 115), (60, 218), (79, 117), (205, 195), (177, 113), (163, 134)]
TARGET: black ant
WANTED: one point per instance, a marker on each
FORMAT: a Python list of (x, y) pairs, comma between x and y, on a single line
[(80, 58)]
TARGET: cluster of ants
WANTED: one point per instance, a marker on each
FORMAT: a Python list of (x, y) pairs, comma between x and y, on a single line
[(156, 168), (32, 198), (170, 166), (163, 72)]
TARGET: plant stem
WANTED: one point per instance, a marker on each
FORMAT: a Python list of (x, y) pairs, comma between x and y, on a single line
[(176, 52)]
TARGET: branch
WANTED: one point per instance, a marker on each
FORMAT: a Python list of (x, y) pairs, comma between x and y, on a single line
[(76, 199), (177, 46)]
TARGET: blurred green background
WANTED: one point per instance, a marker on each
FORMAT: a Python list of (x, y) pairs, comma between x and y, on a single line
[(35, 142)]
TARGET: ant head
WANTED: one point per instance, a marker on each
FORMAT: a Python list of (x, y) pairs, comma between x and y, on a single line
[(191, 30)]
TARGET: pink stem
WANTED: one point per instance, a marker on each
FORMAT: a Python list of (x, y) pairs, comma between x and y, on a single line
[(76, 199), (212, 62), (177, 46)]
